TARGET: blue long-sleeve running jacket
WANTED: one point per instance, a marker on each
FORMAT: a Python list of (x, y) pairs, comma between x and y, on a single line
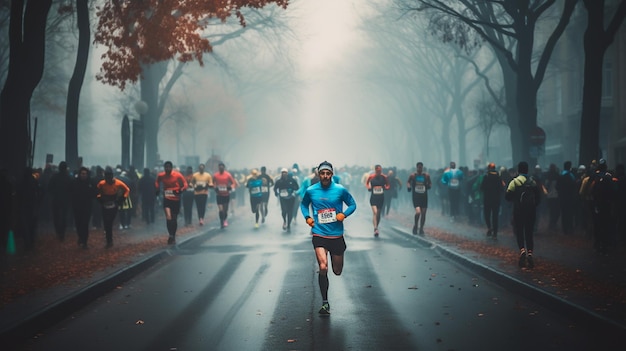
[(326, 203)]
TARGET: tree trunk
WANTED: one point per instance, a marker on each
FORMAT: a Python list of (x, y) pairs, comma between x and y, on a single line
[(76, 83), (151, 78), (526, 96), (592, 86), (27, 30), (596, 41)]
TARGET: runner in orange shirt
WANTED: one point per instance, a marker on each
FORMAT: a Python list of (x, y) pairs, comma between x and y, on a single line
[(173, 185), (224, 184), (111, 193)]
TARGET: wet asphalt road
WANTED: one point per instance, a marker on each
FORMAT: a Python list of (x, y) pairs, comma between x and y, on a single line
[(256, 289)]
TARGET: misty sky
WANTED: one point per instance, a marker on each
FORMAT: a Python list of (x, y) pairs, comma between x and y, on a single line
[(330, 117), (333, 113)]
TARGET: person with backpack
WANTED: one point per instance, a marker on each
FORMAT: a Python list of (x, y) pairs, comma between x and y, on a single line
[(525, 194), (603, 192)]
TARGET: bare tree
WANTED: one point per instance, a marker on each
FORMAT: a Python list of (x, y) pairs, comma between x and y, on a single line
[(500, 21), (443, 76), (490, 115)]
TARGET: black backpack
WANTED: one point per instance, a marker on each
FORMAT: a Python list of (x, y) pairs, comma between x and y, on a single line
[(603, 188), (528, 193)]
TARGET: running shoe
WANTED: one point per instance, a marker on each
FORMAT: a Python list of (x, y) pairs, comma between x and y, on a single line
[(225, 223), (421, 231), (201, 221), (530, 263), (376, 232), (414, 230), (256, 225), (325, 309), (171, 240), (284, 226)]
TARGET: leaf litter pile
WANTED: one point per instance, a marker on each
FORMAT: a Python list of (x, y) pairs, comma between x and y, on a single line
[(587, 278), (63, 264)]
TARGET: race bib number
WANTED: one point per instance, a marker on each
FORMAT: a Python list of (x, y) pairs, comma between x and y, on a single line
[(265, 189), (255, 190), (420, 188), (169, 193), (189, 189), (222, 188), (109, 205), (327, 215), (284, 193), (454, 183), (377, 190)]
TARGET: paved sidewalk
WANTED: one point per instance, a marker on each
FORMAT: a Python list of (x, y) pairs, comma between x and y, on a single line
[(34, 311), (569, 276)]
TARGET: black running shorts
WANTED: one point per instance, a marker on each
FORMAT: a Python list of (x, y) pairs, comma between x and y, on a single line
[(336, 247)]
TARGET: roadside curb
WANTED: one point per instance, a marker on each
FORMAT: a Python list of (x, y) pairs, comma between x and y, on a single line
[(577, 313)]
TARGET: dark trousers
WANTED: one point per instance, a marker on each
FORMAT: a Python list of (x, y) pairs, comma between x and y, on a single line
[(59, 218), (96, 218), (455, 201), (201, 200), (523, 225), (491, 213), (603, 228), (82, 215), (108, 216), (147, 209), (286, 206)]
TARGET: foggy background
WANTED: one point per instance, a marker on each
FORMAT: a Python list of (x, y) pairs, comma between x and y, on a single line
[(345, 81)]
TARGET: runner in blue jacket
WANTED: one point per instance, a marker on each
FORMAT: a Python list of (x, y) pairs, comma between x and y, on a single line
[(326, 216)]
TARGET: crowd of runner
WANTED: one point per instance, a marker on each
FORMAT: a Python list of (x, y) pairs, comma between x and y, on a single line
[(570, 200)]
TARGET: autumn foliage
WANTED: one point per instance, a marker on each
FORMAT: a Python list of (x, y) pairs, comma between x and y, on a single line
[(144, 32)]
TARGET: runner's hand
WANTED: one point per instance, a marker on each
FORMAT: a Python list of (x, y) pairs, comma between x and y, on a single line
[(341, 217), (310, 221)]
